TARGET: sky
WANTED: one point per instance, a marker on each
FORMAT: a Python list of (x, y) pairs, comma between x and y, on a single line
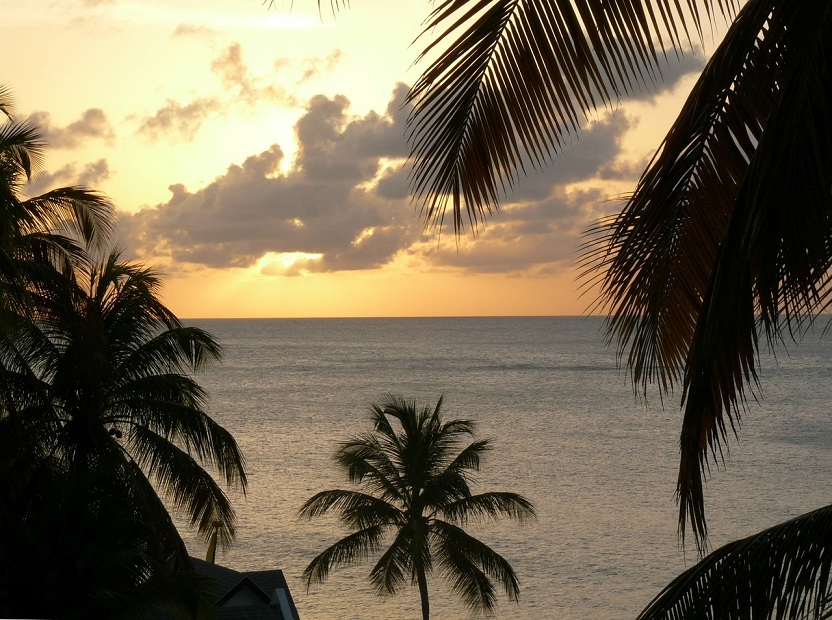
[(257, 158)]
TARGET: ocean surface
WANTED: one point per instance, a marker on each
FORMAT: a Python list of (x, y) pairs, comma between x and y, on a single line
[(568, 433)]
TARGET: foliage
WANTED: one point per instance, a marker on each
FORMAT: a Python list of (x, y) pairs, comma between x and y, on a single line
[(414, 477), (101, 421), (782, 572)]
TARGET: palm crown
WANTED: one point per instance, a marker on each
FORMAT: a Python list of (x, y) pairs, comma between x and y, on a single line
[(100, 379), (40, 228), (102, 426), (415, 476)]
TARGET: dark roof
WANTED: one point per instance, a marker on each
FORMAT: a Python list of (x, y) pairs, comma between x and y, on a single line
[(226, 582)]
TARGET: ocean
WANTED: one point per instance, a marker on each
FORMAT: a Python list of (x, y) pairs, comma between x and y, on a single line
[(568, 433)]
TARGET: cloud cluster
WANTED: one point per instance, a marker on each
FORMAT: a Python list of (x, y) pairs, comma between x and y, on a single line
[(93, 125), (241, 92), (343, 204), (326, 205), (90, 175), (179, 121)]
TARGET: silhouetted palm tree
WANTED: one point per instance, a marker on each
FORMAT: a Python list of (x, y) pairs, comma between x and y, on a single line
[(96, 407), (100, 379), (414, 476), (36, 231)]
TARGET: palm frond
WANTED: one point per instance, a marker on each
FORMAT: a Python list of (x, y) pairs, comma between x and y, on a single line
[(181, 479), (711, 238), (515, 78), (388, 576), (453, 482), (357, 510), (78, 210), (6, 103), (781, 572), (775, 255), (21, 153), (471, 565), (200, 435), (356, 546), (655, 258), (368, 463), (488, 506)]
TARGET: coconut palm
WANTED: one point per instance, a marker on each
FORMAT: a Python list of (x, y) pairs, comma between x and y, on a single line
[(414, 478), (40, 229), (100, 379), (100, 421)]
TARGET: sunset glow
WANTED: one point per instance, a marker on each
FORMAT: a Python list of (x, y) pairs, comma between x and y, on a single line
[(257, 156)]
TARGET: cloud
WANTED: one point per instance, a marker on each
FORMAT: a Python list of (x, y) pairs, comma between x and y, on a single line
[(93, 125), (176, 120), (592, 154), (342, 204), (187, 30), (315, 67), (326, 205), (234, 75), (672, 73), (241, 92), (91, 175)]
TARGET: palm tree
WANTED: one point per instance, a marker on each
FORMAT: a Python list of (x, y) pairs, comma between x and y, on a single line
[(41, 229), (414, 482), (100, 381), (97, 406)]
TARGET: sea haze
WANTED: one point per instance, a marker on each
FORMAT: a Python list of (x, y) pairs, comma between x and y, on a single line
[(568, 432)]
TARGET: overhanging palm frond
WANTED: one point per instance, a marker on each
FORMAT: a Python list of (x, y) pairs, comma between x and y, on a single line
[(517, 77), (775, 257), (655, 258), (782, 572), (731, 221)]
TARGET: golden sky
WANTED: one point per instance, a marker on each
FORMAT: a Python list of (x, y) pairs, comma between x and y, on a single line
[(256, 156)]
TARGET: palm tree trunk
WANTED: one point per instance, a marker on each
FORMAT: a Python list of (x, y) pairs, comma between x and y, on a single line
[(423, 591)]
